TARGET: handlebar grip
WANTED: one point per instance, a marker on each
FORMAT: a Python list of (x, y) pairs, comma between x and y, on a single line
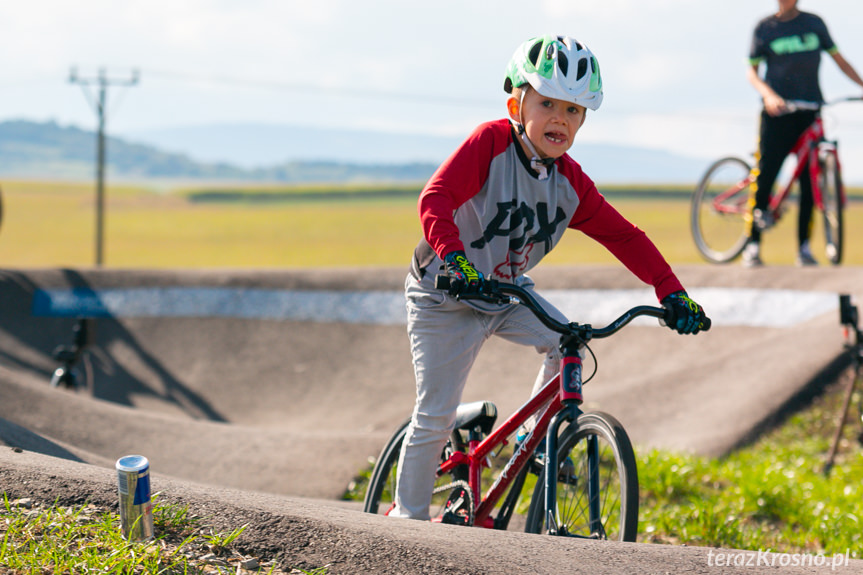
[(705, 325), (442, 282)]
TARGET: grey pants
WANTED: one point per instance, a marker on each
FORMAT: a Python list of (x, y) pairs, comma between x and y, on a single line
[(445, 337)]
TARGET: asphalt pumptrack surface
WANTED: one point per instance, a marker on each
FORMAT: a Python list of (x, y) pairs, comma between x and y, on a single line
[(257, 396)]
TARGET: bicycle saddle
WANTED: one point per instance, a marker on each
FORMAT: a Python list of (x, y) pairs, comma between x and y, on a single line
[(480, 414)]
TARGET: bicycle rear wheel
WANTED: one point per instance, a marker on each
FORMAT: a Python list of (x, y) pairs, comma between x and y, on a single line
[(597, 483), (831, 197), (380, 495), (719, 214)]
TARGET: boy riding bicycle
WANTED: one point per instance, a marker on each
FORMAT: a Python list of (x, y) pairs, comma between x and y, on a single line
[(493, 210)]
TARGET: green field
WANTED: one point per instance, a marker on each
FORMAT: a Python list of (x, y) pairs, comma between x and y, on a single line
[(50, 224)]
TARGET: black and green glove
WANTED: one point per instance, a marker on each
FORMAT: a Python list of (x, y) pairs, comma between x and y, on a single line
[(464, 278), (684, 314)]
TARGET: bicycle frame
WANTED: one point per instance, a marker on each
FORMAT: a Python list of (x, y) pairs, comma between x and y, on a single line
[(555, 404), (806, 152), (547, 403)]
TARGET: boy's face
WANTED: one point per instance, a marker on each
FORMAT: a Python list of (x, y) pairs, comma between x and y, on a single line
[(550, 124)]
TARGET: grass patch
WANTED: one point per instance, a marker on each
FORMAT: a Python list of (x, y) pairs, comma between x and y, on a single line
[(771, 495), (87, 539)]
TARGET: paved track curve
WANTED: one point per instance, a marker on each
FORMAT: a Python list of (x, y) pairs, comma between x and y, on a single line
[(247, 411)]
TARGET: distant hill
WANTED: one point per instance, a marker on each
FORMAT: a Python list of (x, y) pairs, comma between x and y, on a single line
[(33, 149), (47, 149), (259, 144), (278, 153)]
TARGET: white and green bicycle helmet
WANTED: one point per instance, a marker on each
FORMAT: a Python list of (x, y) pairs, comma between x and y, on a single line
[(557, 67)]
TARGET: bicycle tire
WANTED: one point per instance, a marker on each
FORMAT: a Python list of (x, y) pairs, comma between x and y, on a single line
[(381, 488), (614, 471), (719, 214), (831, 198)]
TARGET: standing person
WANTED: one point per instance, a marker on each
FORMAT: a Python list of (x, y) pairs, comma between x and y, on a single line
[(789, 43), (493, 210)]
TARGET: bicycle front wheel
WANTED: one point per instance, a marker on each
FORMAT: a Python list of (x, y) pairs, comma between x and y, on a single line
[(380, 495), (719, 213), (830, 182), (597, 483)]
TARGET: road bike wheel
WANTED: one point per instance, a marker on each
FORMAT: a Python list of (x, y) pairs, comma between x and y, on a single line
[(597, 483), (380, 495), (719, 215), (831, 197)]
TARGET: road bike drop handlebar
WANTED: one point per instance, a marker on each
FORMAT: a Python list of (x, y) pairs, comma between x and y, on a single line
[(494, 291)]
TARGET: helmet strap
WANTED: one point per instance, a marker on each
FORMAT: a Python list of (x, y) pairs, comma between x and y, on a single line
[(537, 164)]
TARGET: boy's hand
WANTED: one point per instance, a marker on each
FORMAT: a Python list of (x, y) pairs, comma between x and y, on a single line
[(685, 315), (466, 279)]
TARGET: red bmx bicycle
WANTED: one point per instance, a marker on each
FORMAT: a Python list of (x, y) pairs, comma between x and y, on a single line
[(593, 489), (720, 214)]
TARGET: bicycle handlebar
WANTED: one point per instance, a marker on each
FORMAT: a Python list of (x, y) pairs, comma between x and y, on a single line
[(844, 99), (797, 105), (495, 291)]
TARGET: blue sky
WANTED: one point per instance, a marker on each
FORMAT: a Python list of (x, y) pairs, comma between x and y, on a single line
[(673, 70)]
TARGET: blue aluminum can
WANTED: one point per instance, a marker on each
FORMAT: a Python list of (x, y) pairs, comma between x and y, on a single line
[(136, 507)]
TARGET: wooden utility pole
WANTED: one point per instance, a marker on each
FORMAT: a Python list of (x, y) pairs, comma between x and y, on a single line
[(99, 105)]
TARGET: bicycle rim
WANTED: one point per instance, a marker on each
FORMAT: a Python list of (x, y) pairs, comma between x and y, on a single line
[(380, 495), (719, 215), (597, 484), (831, 197)]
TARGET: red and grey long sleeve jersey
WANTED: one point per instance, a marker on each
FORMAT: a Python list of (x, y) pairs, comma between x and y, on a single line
[(486, 200)]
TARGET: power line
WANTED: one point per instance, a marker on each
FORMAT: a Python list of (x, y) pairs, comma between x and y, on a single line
[(351, 92), (99, 104)]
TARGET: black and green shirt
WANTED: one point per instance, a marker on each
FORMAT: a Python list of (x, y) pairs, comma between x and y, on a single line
[(792, 53)]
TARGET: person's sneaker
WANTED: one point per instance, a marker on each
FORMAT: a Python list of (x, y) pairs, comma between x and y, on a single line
[(804, 256), (762, 219), (752, 255)]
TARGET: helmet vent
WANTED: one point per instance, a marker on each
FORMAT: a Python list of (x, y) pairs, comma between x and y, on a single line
[(582, 68), (562, 62), (533, 55)]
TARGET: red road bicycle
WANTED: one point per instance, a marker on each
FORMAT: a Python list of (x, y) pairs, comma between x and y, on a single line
[(720, 214), (594, 491)]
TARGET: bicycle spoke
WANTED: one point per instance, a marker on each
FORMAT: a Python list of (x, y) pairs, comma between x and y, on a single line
[(380, 493), (614, 495), (719, 216), (830, 184)]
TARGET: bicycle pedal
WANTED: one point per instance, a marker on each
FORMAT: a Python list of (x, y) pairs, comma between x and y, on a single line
[(536, 466), (568, 477), (458, 509), (566, 473), (455, 519)]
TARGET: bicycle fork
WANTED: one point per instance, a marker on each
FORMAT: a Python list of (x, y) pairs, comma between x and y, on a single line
[(571, 397), (568, 414)]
